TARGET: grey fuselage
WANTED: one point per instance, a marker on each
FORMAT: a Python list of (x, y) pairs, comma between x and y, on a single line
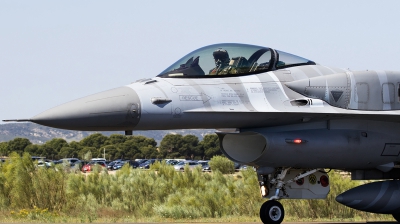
[(348, 119)]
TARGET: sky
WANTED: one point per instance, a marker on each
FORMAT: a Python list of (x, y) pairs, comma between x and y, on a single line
[(52, 52)]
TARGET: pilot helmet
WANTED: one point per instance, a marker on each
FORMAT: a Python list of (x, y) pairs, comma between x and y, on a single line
[(221, 56)]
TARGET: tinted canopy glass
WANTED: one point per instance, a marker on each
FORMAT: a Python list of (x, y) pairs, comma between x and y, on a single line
[(289, 60), (231, 59)]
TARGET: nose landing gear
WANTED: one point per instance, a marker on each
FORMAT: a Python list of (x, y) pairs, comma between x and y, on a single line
[(272, 212)]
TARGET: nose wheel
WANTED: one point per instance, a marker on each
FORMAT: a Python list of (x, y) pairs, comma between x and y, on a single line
[(272, 212)]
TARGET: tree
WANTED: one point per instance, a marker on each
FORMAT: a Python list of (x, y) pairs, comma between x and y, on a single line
[(76, 146), (111, 151), (119, 154), (170, 146), (146, 147), (33, 150), (3, 148), (142, 141), (87, 155), (84, 151), (52, 148), (18, 145), (129, 149), (68, 152), (190, 148), (95, 140), (148, 152), (178, 146), (211, 146), (115, 139)]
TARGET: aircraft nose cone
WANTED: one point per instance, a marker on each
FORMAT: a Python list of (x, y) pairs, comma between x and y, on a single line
[(113, 110)]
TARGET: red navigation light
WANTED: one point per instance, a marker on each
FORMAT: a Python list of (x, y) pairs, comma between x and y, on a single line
[(297, 141), (324, 180)]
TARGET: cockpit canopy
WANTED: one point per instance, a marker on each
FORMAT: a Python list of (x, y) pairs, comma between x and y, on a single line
[(232, 60)]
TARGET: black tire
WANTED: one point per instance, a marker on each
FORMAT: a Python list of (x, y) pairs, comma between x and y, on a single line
[(272, 212), (397, 217)]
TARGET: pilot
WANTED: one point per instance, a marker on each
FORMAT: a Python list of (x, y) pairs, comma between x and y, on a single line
[(221, 58)]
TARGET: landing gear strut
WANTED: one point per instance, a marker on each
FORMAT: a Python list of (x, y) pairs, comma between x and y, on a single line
[(272, 212)]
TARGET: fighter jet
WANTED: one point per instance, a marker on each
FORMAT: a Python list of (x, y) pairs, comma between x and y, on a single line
[(288, 116)]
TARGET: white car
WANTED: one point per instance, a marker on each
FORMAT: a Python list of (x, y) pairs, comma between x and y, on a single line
[(181, 165)]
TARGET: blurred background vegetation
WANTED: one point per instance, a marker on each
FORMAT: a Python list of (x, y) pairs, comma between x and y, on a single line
[(31, 193), (118, 146)]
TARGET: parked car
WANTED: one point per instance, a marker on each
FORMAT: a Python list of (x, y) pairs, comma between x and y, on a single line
[(44, 163), (70, 161), (37, 158), (140, 161), (132, 164), (89, 167), (181, 165), (57, 162), (110, 165), (245, 167), (148, 163), (172, 162), (205, 167), (98, 159), (120, 164), (203, 162)]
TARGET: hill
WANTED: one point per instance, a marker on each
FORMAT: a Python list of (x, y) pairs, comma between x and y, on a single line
[(38, 134)]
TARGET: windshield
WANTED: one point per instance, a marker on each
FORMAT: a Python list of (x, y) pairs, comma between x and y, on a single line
[(288, 60), (231, 59)]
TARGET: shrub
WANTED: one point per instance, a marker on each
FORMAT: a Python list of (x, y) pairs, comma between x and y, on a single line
[(23, 185), (40, 194), (222, 164)]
